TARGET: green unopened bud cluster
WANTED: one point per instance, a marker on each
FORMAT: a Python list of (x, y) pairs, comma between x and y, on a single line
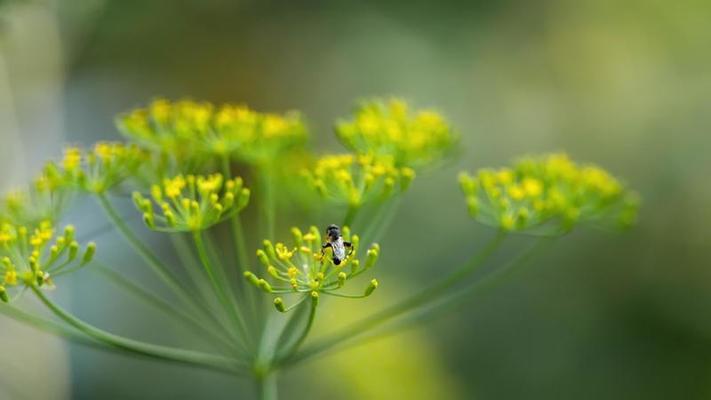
[(190, 130), (191, 203), (356, 179), (547, 194), (390, 128), (31, 256), (305, 267)]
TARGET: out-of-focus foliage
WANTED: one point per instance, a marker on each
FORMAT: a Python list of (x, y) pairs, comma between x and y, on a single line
[(408, 365), (621, 83)]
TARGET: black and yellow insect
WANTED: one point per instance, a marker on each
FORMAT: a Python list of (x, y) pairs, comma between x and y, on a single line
[(338, 246)]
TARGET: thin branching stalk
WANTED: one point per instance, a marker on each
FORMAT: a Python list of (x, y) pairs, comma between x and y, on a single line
[(151, 259), (192, 267), (350, 215), (434, 309), (155, 264), (266, 184), (176, 355), (237, 230), (305, 332), (213, 338), (287, 336), (219, 286), (46, 325), (412, 303)]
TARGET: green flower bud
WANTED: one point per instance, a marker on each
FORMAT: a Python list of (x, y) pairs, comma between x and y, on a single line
[(355, 264), (298, 236), (342, 279), (273, 271), (243, 199), (371, 287), (89, 253), (264, 285), (279, 305), (149, 220), (69, 232), (269, 249), (315, 297), (262, 257), (73, 250), (253, 279), (372, 257)]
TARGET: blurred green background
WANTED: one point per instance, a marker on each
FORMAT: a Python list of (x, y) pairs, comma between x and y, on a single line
[(622, 83)]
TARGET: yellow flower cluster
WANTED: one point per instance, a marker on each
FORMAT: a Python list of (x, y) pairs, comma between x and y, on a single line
[(356, 179), (388, 127), (44, 199), (192, 203), (32, 255), (307, 268), (101, 168), (548, 195), (189, 130)]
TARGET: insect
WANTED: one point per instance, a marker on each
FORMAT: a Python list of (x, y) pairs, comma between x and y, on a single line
[(335, 241)]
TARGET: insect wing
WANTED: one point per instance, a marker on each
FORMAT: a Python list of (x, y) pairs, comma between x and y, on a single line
[(339, 249)]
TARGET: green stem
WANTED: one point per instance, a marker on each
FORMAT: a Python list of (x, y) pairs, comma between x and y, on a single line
[(192, 267), (350, 215), (421, 298), (164, 306), (45, 325), (180, 356), (268, 206), (383, 220), (267, 223), (452, 300), (489, 281), (267, 386), (305, 332), (288, 332), (220, 291), (242, 263), (237, 230), (156, 265)]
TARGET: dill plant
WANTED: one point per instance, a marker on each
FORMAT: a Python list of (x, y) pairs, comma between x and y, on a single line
[(178, 161)]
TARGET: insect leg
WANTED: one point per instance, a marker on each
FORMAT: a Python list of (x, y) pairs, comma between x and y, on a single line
[(323, 249), (350, 248)]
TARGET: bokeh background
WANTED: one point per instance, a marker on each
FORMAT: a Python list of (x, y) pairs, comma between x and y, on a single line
[(622, 83)]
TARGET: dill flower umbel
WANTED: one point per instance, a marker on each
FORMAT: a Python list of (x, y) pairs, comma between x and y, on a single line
[(308, 268), (355, 179), (547, 194), (32, 256), (192, 203), (188, 129), (101, 168), (44, 199), (388, 127)]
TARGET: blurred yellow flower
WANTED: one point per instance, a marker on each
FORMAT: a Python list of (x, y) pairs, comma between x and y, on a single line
[(355, 179), (548, 191), (191, 130), (389, 128)]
